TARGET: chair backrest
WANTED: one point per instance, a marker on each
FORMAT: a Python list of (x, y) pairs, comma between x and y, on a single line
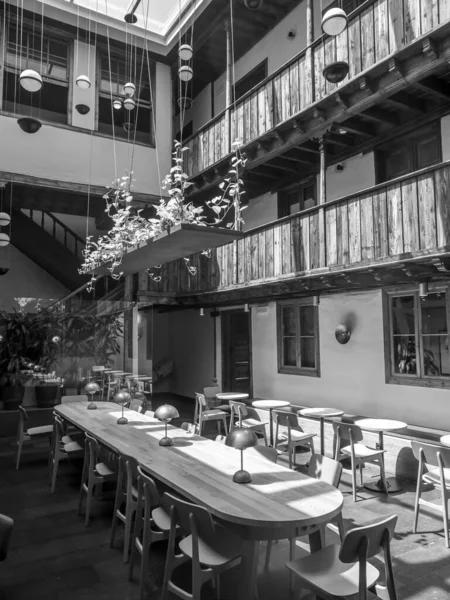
[(325, 469), (127, 473), (348, 431), (431, 454), (285, 418), (189, 427), (239, 410), (6, 527), (210, 392), (192, 518), (136, 405), (23, 416), (92, 451), (220, 439), (200, 406), (150, 413), (80, 398), (147, 492), (362, 543)]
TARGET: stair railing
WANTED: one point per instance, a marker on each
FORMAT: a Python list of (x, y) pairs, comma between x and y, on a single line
[(59, 231)]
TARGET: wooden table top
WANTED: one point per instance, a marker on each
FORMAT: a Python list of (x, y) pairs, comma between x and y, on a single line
[(231, 396), (202, 470)]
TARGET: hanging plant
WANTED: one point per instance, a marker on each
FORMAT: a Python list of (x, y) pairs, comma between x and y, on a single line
[(131, 228)]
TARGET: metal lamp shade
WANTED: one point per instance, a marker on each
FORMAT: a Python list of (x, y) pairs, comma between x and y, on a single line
[(5, 219), (117, 104), (336, 72), (342, 333), (129, 103), (91, 388), (29, 125), (185, 102), (166, 413), (253, 4), (30, 80), (122, 397), (83, 82), (185, 73), (129, 88), (83, 109), (185, 52), (334, 21), (241, 438), (4, 240)]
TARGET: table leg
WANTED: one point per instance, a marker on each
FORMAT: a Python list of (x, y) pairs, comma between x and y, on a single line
[(249, 567), (322, 433), (393, 485), (315, 541), (271, 426)]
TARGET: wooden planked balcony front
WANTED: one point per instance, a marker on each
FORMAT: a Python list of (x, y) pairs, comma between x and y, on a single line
[(377, 45), (395, 232)]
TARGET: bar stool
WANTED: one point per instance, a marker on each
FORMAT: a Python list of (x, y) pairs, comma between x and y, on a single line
[(127, 495), (26, 434), (211, 548), (62, 447), (151, 525), (95, 473)]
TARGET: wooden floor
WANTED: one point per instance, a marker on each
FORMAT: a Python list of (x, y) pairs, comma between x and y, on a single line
[(54, 557)]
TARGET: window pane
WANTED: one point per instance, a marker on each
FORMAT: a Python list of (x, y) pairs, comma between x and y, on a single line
[(434, 314), (293, 202), (307, 320), (403, 315), (289, 321), (307, 352), (436, 356), (289, 352), (405, 355)]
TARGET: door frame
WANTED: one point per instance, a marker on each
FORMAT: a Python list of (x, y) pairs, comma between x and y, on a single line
[(225, 332)]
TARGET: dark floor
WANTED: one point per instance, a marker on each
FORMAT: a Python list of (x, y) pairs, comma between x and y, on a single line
[(54, 557)]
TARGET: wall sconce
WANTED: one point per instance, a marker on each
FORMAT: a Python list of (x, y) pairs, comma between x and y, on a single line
[(202, 312), (423, 289), (342, 333), (315, 300), (246, 308)]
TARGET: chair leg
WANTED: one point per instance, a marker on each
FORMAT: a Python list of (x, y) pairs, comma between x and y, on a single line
[(54, 473), (225, 425), (218, 426), (354, 479), (19, 453), (383, 474), (89, 494), (417, 502), (445, 515), (290, 455), (268, 553), (361, 467), (291, 558), (127, 534), (340, 525)]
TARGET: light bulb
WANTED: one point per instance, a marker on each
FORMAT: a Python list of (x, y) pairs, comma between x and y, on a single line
[(129, 89), (129, 103)]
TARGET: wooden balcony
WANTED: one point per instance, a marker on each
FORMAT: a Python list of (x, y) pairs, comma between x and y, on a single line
[(393, 232), (377, 32)]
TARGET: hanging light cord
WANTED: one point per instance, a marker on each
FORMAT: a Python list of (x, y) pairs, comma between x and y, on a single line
[(110, 85)]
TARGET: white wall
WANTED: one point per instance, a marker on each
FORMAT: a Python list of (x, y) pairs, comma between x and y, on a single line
[(445, 135), (352, 375), (25, 279), (358, 174), (200, 113), (260, 210)]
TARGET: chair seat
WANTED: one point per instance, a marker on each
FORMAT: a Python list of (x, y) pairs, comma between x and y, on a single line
[(297, 436), (106, 470), (66, 439), (224, 548), (434, 478), (72, 447), (252, 423), (325, 571), (213, 413), (362, 451), (161, 519), (43, 430)]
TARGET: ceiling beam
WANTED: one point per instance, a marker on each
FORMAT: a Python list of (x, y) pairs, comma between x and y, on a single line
[(404, 101), (434, 87), (379, 116)]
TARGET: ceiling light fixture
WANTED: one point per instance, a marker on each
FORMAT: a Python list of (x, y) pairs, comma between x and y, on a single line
[(30, 80), (185, 73), (334, 21), (185, 52), (83, 82)]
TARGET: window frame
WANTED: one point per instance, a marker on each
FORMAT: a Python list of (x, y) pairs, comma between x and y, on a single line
[(283, 196), (261, 65), (102, 52), (420, 379), (298, 370)]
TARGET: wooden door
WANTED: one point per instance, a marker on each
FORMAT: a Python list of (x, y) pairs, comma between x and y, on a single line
[(236, 352)]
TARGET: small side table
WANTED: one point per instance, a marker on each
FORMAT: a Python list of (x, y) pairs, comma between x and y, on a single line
[(270, 405), (322, 414), (380, 426)]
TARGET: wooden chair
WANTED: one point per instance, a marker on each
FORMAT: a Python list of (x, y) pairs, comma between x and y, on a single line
[(432, 455), (211, 548), (327, 470), (125, 504), (136, 405), (239, 417), (203, 415), (150, 413), (152, 524), (358, 453), (63, 447), (112, 386), (344, 571), (94, 475), (6, 529), (291, 435), (26, 433)]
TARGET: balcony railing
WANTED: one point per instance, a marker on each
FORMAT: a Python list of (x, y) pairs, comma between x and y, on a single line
[(404, 218), (376, 30)]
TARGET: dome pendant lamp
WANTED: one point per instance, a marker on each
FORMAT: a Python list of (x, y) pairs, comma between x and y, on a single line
[(117, 104), (30, 80), (5, 219), (4, 240), (129, 104), (129, 89), (29, 125), (334, 21), (253, 4), (83, 109), (83, 82), (185, 52), (336, 72), (185, 73)]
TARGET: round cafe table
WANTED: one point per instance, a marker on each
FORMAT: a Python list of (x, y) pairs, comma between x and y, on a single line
[(380, 426), (445, 440), (225, 397), (322, 414), (270, 405)]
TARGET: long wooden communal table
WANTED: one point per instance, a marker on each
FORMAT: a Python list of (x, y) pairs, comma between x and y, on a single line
[(278, 504)]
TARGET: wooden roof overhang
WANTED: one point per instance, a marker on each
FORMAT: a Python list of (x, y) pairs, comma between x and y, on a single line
[(400, 93)]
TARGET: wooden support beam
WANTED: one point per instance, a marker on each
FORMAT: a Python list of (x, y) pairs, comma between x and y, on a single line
[(406, 102), (358, 129), (429, 48), (379, 116), (367, 86), (339, 140), (341, 101), (395, 66), (296, 160), (279, 165), (434, 87), (320, 115)]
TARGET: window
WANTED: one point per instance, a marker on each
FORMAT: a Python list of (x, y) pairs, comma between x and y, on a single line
[(188, 130), (416, 151), (47, 54), (248, 82), (133, 124), (300, 198), (417, 344), (298, 338)]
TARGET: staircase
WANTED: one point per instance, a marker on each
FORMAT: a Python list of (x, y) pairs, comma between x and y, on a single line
[(49, 243)]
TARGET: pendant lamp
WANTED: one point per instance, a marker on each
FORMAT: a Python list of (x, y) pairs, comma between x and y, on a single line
[(185, 102), (83, 82), (185, 73), (334, 21), (128, 126), (29, 125), (4, 240), (129, 104), (30, 80), (5, 219), (253, 4), (83, 109), (129, 89), (185, 52), (117, 104), (336, 72)]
